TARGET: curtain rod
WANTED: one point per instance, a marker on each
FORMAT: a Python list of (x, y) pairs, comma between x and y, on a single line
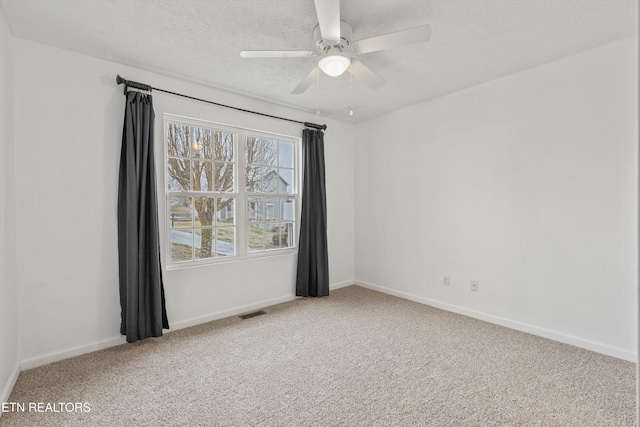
[(142, 86)]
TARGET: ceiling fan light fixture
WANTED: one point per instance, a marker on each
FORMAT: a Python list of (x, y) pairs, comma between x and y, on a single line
[(334, 65)]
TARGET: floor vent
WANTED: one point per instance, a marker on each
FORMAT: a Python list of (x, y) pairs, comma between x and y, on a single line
[(252, 314)]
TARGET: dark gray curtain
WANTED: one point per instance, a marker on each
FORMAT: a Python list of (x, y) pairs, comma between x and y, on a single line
[(312, 279), (141, 289)]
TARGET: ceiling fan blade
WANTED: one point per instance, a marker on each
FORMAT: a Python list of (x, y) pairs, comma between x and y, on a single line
[(306, 82), (328, 12), (359, 70), (277, 53), (391, 40)]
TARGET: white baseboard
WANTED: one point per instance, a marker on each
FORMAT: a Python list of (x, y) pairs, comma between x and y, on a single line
[(231, 312), (509, 323), (52, 357), (339, 285), (6, 392), (245, 308)]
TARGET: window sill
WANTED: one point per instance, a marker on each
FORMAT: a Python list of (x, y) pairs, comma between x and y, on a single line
[(230, 260)]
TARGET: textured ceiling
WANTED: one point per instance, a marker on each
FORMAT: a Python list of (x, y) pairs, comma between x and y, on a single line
[(473, 41)]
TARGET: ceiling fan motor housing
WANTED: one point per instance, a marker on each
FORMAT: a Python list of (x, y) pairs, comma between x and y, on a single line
[(324, 46)]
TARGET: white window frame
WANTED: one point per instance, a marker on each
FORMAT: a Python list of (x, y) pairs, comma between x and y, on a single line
[(239, 193)]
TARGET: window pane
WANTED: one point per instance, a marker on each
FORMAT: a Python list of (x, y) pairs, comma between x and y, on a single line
[(271, 236), (287, 235), (268, 152), (202, 175), (255, 209), (251, 150), (203, 210), (279, 239), (271, 182), (224, 176), (200, 143), (223, 146), (270, 209), (178, 140), (285, 158), (181, 245), (225, 213), (180, 211), (287, 211), (179, 171), (253, 178), (286, 177), (284, 236), (256, 237), (203, 238), (225, 241)]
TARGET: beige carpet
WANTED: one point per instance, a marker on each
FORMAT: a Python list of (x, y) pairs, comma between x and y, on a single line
[(356, 358)]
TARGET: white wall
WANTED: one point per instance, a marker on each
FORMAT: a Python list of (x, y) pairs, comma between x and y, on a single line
[(68, 125), (9, 350), (527, 183)]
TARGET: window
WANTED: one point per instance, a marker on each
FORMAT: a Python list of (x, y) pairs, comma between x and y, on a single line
[(205, 193)]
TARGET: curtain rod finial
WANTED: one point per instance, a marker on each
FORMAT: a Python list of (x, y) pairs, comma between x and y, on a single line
[(120, 80)]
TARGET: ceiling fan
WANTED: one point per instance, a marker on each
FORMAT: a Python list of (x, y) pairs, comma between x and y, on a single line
[(337, 51)]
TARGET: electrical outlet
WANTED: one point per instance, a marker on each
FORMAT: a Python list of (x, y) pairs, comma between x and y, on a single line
[(446, 281), (475, 285)]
